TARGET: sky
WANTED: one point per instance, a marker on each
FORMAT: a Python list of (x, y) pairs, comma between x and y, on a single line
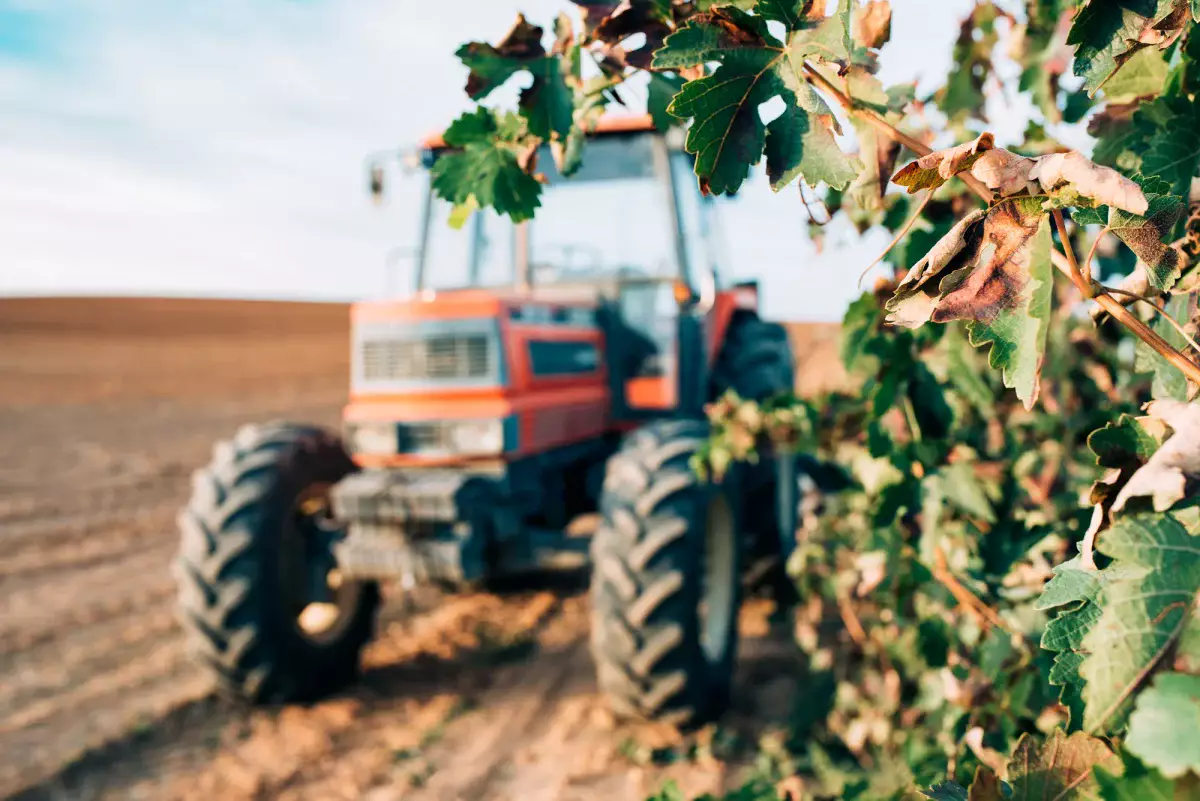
[(219, 148)]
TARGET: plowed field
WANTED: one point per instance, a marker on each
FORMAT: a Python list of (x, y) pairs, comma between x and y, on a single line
[(106, 406)]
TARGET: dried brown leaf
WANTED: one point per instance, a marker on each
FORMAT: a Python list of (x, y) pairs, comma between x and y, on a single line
[(1165, 477), (873, 23), (1103, 185), (917, 295), (1001, 274), (1002, 171), (933, 170), (1061, 768)]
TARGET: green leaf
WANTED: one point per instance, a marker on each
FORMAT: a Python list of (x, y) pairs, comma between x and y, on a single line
[(727, 134), (1164, 727), (821, 37), (1169, 381), (1137, 783), (1072, 591), (1063, 767), (964, 372), (964, 490), (1108, 33), (1144, 234), (483, 168), (1125, 442), (946, 791), (1173, 149), (660, 93), (548, 102), (1143, 75), (462, 212), (1144, 601), (800, 144)]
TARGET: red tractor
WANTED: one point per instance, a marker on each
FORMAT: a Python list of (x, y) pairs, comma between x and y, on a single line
[(538, 373)]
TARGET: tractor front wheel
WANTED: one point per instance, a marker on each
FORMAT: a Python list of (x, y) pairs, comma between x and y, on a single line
[(258, 595), (665, 583)]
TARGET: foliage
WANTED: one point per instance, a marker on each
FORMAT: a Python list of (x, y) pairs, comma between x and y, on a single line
[(1004, 603)]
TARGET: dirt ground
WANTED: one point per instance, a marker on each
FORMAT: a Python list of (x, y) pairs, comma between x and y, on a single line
[(105, 408)]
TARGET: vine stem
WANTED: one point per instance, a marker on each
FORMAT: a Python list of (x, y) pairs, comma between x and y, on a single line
[(1107, 302), (1161, 312), (1091, 254)]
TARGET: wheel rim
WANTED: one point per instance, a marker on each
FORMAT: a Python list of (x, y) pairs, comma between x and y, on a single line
[(718, 612), (306, 569)]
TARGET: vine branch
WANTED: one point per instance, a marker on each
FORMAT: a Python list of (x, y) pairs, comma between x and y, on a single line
[(1067, 267)]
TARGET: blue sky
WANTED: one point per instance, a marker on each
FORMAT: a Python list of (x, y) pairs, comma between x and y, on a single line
[(217, 148)]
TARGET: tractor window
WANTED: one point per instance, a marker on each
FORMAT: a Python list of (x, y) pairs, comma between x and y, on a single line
[(486, 238), (609, 217), (694, 216)]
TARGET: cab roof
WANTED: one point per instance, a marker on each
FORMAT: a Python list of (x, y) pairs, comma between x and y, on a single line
[(608, 125)]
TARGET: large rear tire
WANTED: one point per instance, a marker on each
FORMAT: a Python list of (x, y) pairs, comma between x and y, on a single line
[(665, 583), (755, 361), (253, 535)]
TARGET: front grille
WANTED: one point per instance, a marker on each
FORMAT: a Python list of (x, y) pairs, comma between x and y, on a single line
[(417, 437), (432, 358)]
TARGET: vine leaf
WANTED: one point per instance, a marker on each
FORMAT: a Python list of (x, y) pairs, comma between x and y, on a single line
[(610, 23), (548, 102), (1005, 295), (916, 297), (1062, 768), (1144, 233), (1145, 597), (1072, 591), (1167, 475), (825, 38), (1127, 441), (1106, 34), (1164, 727), (1078, 175), (1136, 783), (1070, 177), (483, 166), (727, 134), (933, 170), (1173, 146), (1168, 381), (872, 23), (1002, 171)]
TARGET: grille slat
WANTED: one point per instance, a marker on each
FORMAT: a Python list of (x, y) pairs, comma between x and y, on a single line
[(432, 358)]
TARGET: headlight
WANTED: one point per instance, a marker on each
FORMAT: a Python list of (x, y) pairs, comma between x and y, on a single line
[(476, 436), (372, 437)]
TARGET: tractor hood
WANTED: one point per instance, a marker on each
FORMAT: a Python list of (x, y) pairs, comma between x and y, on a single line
[(447, 342), (472, 366)]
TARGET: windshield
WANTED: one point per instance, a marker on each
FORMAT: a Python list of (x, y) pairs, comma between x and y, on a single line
[(613, 217)]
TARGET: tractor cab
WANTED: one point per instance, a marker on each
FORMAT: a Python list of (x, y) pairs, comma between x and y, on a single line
[(601, 298)]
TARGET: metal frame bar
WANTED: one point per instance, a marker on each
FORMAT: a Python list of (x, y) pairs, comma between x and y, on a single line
[(423, 246)]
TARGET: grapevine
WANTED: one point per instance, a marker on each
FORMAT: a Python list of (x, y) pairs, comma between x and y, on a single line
[(1005, 601)]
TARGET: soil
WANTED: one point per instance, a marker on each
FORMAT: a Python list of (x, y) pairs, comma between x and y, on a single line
[(106, 406)]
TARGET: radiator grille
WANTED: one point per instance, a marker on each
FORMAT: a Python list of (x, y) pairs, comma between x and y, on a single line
[(432, 358)]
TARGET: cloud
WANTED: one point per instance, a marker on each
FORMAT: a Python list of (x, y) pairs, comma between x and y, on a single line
[(215, 147), (218, 148)]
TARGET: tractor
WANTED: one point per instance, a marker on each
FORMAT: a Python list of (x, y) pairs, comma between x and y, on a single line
[(538, 373)]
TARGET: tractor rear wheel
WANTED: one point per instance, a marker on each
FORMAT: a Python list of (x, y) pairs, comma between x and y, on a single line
[(756, 360), (254, 568), (665, 582)]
